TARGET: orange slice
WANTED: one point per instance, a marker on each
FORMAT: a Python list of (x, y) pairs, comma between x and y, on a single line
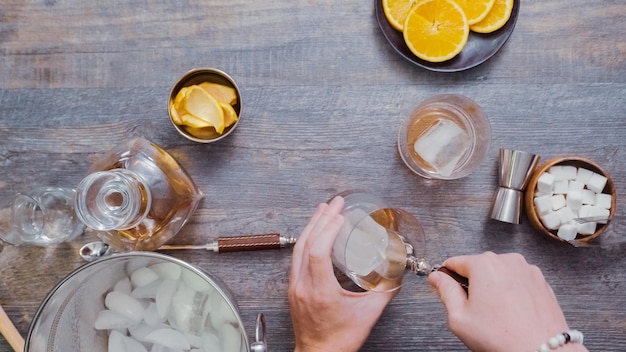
[(475, 10), (496, 18), (396, 11), (202, 105), (220, 92), (436, 30)]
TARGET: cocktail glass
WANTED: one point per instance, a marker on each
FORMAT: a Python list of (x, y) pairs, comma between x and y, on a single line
[(446, 137), (377, 245)]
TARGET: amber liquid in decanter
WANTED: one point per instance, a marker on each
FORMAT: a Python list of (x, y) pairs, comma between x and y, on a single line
[(137, 196)]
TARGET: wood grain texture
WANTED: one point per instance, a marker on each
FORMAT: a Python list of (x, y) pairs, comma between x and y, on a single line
[(323, 97)]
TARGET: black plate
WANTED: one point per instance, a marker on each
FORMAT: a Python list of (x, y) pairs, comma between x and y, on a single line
[(479, 47)]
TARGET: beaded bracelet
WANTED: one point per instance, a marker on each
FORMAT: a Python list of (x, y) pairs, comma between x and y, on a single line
[(561, 339)]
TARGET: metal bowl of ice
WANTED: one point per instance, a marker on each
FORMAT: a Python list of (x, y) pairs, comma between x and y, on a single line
[(138, 301)]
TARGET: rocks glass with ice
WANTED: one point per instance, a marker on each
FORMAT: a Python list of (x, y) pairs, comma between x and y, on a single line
[(375, 241), (446, 137)]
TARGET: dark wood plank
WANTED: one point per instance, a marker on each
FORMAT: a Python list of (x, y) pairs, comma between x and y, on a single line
[(323, 97)]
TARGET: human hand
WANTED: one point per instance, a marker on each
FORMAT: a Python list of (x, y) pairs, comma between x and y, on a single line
[(509, 306), (325, 316)]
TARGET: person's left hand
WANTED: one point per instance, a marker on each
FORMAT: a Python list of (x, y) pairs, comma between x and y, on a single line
[(325, 316)]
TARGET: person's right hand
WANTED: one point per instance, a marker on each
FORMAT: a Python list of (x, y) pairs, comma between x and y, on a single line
[(509, 307)]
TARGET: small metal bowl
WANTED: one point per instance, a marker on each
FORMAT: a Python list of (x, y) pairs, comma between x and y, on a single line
[(197, 76), (531, 189)]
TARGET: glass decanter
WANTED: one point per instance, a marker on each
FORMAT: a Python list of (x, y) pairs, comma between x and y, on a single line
[(136, 196)]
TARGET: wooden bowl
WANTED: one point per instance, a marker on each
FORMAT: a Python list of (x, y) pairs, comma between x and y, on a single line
[(531, 188)]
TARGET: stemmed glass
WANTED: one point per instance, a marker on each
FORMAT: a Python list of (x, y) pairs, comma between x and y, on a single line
[(377, 245)]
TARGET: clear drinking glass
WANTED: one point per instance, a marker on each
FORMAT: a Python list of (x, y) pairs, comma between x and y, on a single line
[(446, 137), (42, 217), (375, 242)]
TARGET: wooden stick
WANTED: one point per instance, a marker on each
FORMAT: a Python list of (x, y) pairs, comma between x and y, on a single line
[(10, 333)]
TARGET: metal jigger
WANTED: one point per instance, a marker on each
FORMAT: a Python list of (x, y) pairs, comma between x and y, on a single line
[(515, 169)]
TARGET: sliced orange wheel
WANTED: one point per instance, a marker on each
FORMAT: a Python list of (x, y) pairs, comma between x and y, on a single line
[(436, 30), (396, 11), (496, 18), (475, 10)]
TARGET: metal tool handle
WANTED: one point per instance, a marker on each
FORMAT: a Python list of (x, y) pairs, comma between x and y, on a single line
[(252, 242), (462, 280)]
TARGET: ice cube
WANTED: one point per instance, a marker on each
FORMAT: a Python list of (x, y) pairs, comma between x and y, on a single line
[(183, 308), (110, 320), (164, 295), (151, 315), (166, 270), (211, 343), (123, 286), (443, 145), (125, 305), (142, 277), (196, 282), (169, 338), (365, 248), (146, 291), (121, 343), (231, 338)]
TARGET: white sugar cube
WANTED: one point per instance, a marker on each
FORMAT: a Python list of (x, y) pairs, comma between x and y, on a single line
[(565, 214), (561, 187), (594, 211), (584, 211), (603, 200), (574, 199), (545, 183), (551, 220), (587, 228), (596, 183), (583, 175), (543, 203), (558, 201), (575, 186), (589, 197), (557, 172), (567, 232), (569, 172)]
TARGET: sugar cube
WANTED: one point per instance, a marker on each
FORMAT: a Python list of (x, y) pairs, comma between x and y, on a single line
[(583, 175), (569, 172), (561, 186), (556, 171), (584, 211), (594, 211), (596, 183), (603, 200), (574, 199), (545, 183), (543, 203), (565, 214), (587, 228), (551, 220), (589, 197), (575, 186), (567, 232), (558, 201)]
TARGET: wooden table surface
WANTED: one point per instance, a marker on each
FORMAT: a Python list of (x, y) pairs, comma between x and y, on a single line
[(323, 97)]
